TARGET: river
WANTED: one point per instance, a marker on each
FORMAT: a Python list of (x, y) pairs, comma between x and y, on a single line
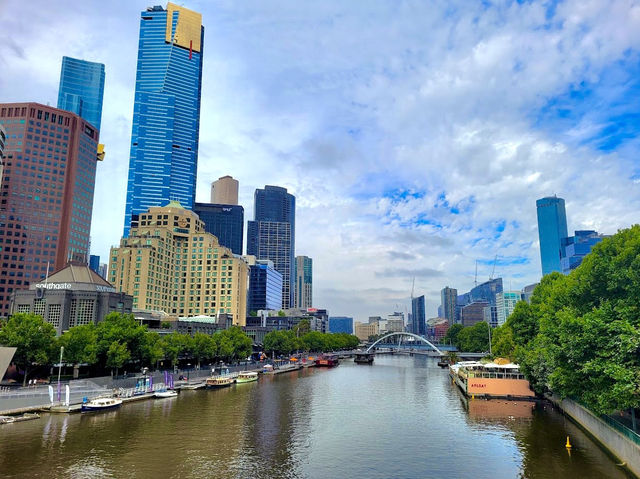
[(399, 418)]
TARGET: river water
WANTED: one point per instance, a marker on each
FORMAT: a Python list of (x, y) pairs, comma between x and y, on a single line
[(400, 418)]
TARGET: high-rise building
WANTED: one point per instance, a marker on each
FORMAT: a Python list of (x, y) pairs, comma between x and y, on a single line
[(365, 330), (418, 317), (575, 248), (449, 300), (527, 291), (170, 263), (304, 282), (226, 222), (82, 89), (506, 303), (166, 113), (224, 191), (94, 262), (340, 324), (552, 227), (265, 285), (46, 200), (272, 235), (473, 313)]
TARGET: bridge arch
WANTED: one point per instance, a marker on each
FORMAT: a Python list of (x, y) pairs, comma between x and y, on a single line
[(406, 334)]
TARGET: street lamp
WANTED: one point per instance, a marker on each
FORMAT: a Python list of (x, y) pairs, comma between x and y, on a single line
[(59, 368)]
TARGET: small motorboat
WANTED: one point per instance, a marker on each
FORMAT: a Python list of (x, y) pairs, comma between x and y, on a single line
[(247, 377), (101, 404), (167, 393), (193, 386)]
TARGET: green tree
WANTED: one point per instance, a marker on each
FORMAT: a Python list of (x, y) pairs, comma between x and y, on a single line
[(281, 313), (152, 351), (315, 341), (174, 345), (452, 334), (302, 328), (580, 337), (241, 344), (204, 347), (34, 338), (80, 346), (117, 355), (124, 329), (474, 339), (502, 344)]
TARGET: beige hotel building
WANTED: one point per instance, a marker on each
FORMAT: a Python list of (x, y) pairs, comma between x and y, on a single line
[(170, 263)]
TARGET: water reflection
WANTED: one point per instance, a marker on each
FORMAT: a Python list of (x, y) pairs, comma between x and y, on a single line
[(400, 418)]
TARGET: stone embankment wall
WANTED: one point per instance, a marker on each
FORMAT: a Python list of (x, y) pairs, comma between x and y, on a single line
[(620, 446)]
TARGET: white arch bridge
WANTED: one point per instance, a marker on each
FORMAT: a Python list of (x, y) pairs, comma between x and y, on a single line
[(415, 336)]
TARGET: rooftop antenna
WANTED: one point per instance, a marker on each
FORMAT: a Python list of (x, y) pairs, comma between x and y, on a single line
[(475, 281)]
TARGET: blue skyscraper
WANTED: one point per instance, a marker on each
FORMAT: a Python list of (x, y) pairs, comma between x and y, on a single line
[(418, 320), (340, 324), (552, 228), (272, 235), (81, 89), (166, 112), (575, 248), (225, 222), (265, 287)]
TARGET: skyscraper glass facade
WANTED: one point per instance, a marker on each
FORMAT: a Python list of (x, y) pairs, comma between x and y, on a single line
[(575, 248), (506, 303), (166, 113), (418, 319), (272, 235), (304, 282), (82, 89), (552, 227), (449, 301), (340, 324), (265, 287), (226, 222)]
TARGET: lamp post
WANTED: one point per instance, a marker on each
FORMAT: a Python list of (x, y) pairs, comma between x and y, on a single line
[(59, 369)]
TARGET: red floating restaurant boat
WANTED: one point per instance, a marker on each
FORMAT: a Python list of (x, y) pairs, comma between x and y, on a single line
[(328, 361)]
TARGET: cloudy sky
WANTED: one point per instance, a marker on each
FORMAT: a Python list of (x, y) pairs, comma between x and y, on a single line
[(415, 135)]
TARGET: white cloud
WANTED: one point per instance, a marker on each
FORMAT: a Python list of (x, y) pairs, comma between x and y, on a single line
[(345, 102)]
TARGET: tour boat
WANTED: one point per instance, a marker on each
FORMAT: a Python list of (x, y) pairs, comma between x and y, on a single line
[(363, 358), (101, 404), (491, 380), (219, 382), (247, 377), (327, 360), (168, 393)]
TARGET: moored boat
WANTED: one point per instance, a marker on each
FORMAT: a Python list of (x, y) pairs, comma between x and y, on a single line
[(247, 377), (328, 361), (363, 358), (491, 380), (219, 382), (101, 404), (168, 393)]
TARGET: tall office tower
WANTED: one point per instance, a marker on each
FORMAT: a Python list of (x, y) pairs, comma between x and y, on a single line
[(81, 89), (265, 285), (224, 191), (505, 304), (418, 318), (272, 235), (449, 301), (341, 324), (170, 263), (304, 282), (575, 248), (225, 222), (47, 193), (166, 113), (552, 227)]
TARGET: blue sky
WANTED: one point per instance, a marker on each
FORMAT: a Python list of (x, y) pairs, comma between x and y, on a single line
[(415, 135)]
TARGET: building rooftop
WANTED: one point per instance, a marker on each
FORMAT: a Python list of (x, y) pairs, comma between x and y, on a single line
[(75, 273)]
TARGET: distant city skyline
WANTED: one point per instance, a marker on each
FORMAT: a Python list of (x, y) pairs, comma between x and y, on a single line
[(415, 147)]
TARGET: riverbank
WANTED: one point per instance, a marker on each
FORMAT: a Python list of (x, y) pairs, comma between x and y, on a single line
[(623, 448)]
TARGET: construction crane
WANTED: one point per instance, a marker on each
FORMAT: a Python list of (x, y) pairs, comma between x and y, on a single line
[(493, 271)]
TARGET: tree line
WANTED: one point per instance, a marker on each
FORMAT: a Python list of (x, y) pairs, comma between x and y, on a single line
[(302, 339), (116, 342), (580, 335)]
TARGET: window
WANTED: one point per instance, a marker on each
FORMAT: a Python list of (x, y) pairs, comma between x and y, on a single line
[(38, 307), (53, 315), (24, 308)]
